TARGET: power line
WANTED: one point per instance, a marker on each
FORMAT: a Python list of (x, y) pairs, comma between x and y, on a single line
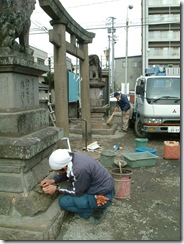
[(45, 30), (40, 26), (117, 26), (89, 4), (133, 25)]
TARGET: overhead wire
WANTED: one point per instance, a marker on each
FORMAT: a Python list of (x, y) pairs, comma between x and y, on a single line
[(43, 29), (105, 27), (89, 4)]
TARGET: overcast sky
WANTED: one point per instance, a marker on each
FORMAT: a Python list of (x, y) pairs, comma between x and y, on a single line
[(93, 15)]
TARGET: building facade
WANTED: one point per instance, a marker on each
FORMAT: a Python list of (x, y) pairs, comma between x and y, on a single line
[(160, 33), (134, 70)]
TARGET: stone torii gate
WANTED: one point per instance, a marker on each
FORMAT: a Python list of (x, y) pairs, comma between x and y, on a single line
[(62, 22)]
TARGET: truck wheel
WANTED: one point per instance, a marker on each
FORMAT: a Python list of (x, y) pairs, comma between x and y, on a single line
[(137, 128), (130, 123)]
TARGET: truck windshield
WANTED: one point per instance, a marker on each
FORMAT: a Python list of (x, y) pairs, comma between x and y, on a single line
[(163, 87)]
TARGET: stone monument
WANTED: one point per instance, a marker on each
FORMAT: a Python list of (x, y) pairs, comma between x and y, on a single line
[(26, 140), (98, 108)]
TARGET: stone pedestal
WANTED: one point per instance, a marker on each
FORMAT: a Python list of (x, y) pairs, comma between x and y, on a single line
[(26, 141), (98, 107)]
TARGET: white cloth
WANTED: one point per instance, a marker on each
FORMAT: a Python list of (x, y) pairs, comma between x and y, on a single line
[(59, 159)]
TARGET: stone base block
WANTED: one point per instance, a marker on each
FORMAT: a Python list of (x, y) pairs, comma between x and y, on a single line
[(97, 102), (24, 161), (97, 116), (97, 129), (42, 227), (28, 146), (24, 122), (99, 109)]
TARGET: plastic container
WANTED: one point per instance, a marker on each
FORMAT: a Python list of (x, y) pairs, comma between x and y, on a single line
[(122, 183), (140, 159), (146, 149), (141, 142), (107, 158), (116, 147), (171, 150)]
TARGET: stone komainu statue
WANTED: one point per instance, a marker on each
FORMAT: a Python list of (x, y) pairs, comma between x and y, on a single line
[(15, 23), (95, 71)]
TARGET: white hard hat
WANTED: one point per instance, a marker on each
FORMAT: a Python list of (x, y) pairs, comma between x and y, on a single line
[(59, 159)]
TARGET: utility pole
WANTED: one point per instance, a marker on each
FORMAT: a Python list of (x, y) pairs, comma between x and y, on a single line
[(109, 60), (126, 56), (111, 30), (112, 65)]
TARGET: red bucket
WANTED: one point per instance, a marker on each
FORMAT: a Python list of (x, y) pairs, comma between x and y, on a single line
[(122, 183)]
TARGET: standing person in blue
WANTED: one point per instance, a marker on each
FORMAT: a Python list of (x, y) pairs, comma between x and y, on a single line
[(123, 103), (91, 188)]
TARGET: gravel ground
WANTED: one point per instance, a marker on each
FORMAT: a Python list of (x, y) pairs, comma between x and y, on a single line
[(152, 213)]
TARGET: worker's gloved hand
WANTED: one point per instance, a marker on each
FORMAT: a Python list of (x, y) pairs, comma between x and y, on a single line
[(101, 200)]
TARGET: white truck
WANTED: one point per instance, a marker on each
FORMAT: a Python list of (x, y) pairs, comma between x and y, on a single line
[(156, 107)]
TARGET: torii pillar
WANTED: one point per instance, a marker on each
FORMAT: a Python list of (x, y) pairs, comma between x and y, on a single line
[(62, 22)]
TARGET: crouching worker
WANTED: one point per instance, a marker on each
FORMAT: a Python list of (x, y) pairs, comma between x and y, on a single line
[(92, 187)]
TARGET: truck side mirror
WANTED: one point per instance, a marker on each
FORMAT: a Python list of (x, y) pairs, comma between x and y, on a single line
[(140, 90)]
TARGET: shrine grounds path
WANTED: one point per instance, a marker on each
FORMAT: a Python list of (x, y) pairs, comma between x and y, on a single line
[(153, 211)]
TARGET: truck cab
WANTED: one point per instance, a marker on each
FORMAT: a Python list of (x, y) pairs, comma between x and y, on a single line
[(156, 106)]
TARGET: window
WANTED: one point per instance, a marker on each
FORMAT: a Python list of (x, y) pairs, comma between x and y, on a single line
[(40, 61), (134, 64)]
